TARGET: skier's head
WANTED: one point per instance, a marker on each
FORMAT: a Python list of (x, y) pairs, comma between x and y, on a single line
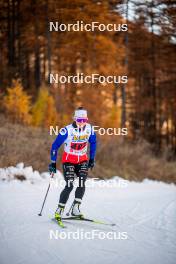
[(80, 117)]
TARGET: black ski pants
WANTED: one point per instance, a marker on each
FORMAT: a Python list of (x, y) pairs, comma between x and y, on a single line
[(71, 170)]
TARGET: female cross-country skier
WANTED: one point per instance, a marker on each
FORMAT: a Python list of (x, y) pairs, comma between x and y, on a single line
[(75, 138)]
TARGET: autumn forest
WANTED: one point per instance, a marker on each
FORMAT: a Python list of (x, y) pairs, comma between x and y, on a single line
[(140, 53)]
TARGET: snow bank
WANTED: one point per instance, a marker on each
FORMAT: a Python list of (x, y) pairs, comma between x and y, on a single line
[(23, 173), (28, 174)]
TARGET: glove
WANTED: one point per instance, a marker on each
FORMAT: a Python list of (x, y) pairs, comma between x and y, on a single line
[(52, 167), (91, 163)]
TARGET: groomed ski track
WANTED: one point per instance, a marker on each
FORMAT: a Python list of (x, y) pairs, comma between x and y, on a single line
[(146, 211)]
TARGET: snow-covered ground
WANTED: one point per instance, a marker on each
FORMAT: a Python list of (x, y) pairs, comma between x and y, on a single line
[(144, 213)]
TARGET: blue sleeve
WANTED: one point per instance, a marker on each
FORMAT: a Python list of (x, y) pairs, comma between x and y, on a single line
[(62, 136), (93, 145)]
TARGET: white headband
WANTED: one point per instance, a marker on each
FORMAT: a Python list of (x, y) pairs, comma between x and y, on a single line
[(80, 113)]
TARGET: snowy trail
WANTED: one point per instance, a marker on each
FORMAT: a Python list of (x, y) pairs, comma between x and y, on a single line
[(146, 211)]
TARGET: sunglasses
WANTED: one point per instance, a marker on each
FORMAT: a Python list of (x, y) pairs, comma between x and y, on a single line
[(81, 120)]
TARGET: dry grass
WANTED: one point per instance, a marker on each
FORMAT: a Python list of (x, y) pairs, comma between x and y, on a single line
[(134, 161), (114, 156), (24, 144)]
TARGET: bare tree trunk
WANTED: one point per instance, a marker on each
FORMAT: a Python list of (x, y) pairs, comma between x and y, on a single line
[(48, 36), (123, 89), (19, 58), (37, 73), (154, 120)]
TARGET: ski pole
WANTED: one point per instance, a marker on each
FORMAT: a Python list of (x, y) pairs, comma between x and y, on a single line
[(40, 214), (70, 209)]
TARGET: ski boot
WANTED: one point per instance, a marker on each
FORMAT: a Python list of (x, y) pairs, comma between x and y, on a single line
[(59, 213), (76, 209)]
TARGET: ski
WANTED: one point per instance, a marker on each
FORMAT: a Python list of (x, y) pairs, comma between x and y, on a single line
[(82, 218)]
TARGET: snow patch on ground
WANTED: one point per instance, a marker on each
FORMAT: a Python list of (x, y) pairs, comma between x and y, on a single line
[(146, 211)]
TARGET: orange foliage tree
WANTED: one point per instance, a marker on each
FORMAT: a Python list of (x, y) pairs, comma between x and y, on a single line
[(17, 103)]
